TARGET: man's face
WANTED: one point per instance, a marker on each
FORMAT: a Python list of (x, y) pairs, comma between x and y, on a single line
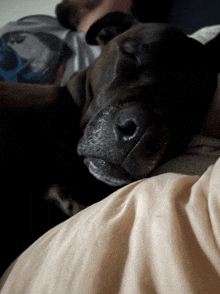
[(70, 12), (124, 6)]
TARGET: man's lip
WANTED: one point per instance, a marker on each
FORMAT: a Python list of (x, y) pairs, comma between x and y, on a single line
[(111, 174)]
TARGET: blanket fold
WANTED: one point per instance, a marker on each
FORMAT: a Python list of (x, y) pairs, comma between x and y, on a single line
[(157, 235)]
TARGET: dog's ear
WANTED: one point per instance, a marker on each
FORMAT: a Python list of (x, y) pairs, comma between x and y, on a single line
[(108, 27)]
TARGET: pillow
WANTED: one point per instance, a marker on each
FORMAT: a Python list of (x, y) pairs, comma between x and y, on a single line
[(206, 34)]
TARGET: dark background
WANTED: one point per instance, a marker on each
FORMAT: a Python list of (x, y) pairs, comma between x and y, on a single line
[(195, 14)]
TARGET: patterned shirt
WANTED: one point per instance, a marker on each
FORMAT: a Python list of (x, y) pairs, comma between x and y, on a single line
[(37, 49)]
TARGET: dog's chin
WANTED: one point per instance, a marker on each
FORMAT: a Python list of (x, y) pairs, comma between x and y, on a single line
[(111, 174)]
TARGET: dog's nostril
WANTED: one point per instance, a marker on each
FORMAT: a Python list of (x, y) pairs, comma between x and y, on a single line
[(127, 129)]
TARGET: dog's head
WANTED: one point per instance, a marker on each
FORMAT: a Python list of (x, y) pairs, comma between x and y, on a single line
[(142, 100)]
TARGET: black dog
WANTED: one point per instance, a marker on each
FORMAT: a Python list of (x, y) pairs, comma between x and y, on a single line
[(146, 96), (136, 107)]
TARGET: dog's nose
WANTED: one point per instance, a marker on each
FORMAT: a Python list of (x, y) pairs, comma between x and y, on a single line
[(114, 132), (130, 123)]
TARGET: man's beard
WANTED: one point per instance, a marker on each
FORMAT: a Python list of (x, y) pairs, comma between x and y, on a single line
[(70, 14)]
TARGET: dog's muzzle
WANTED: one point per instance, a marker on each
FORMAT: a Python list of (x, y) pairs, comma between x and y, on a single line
[(114, 144)]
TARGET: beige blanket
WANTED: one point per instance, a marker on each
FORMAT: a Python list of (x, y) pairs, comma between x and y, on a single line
[(158, 235)]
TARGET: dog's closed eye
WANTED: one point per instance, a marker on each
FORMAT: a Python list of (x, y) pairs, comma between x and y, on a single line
[(129, 54)]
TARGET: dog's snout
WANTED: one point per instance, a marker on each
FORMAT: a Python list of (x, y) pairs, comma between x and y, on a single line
[(113, 132)]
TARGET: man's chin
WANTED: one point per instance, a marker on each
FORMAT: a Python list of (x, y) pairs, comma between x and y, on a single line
[(67, 15)]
